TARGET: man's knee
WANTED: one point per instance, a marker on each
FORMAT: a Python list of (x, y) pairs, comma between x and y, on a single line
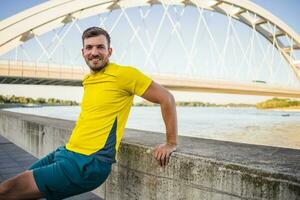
[(20, 186), (6, 187)]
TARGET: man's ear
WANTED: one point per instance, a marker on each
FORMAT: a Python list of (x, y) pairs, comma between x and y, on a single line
[(110, 50)]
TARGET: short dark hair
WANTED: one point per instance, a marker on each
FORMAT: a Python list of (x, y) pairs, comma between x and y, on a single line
[(95, 31)]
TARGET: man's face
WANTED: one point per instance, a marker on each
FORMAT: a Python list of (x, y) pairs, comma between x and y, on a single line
[(96, 52)]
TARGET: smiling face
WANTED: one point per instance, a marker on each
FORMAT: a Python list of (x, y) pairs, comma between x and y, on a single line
[(96, 52)]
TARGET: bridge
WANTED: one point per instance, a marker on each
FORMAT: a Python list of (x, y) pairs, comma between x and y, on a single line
[(250, 73), (38, 74)]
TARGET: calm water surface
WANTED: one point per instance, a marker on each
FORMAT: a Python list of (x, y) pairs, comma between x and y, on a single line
[(247, 125)]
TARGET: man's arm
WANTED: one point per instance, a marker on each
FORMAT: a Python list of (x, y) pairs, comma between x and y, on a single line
[(157, 94)]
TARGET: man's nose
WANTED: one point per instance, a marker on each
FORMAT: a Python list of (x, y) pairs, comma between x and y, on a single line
[(94, 51)]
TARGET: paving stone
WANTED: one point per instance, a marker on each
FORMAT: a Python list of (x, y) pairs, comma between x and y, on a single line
[(26, 164), (7, 176), (27, 158), (6, 159), (4, 140), (10, 170), (8, 164)]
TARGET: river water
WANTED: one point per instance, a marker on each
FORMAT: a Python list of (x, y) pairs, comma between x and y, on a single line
[(246, 125)]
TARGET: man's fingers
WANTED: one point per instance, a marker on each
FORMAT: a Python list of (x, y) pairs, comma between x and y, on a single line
[(155, 152), (163, 159), (167, 158), (158, 157), (162, 153)]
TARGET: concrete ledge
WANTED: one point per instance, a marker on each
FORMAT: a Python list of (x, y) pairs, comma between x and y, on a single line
[(200, 169)]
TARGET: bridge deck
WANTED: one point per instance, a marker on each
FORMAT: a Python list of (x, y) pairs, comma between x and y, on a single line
[(34, 74), (14, 160)]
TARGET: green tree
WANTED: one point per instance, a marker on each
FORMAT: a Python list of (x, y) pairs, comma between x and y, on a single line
[(277, 103), (40, 101)]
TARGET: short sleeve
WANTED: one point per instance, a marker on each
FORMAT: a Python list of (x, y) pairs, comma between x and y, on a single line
[(133, 81)]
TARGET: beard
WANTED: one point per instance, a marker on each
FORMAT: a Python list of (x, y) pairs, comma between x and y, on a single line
[(96, 64)]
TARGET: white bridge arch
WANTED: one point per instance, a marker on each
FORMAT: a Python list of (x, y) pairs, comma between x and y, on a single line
[(40, 19)]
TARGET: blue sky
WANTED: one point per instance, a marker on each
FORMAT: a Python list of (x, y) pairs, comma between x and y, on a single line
[(10, 7), (286, 10)]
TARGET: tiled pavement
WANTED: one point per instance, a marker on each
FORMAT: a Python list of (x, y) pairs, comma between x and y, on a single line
[(14, 160)]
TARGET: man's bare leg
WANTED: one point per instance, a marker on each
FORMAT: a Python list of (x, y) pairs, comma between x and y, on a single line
[(21, 186)]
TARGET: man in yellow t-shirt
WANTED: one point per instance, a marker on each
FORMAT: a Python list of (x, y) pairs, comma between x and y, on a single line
[(85, 162)]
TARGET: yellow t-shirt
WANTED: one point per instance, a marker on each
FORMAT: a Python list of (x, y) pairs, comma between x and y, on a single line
[(107, 99)]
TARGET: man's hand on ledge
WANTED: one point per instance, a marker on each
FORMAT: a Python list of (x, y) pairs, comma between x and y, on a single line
[(162, 153)]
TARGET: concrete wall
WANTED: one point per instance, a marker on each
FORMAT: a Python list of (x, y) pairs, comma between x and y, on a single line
[(200, 169)]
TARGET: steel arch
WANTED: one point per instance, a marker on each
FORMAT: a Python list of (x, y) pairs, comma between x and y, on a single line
[(52, 14)]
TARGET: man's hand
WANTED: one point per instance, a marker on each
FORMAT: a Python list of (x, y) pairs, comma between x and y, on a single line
[(162, 153)]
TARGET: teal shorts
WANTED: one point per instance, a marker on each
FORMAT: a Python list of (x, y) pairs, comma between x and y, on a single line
[(64, 173)]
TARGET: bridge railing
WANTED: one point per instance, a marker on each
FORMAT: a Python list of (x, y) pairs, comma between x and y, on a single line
[(40, 70)]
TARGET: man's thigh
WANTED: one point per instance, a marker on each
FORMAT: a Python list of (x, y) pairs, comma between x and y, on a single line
[(52, 181), (47, 160), (70, 174)]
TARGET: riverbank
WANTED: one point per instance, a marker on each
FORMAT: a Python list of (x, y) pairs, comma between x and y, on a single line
[(287, 109), (279, 104), (16, 105), (19, 100), (178, 104), (198, 104)]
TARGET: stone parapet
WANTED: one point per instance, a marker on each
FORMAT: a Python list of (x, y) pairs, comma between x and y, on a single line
[(199, 169)]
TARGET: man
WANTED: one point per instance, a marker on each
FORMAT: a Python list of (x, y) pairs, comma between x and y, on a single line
[(85, 162)]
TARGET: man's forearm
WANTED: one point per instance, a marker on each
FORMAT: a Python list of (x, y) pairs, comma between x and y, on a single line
[(168, 109)]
